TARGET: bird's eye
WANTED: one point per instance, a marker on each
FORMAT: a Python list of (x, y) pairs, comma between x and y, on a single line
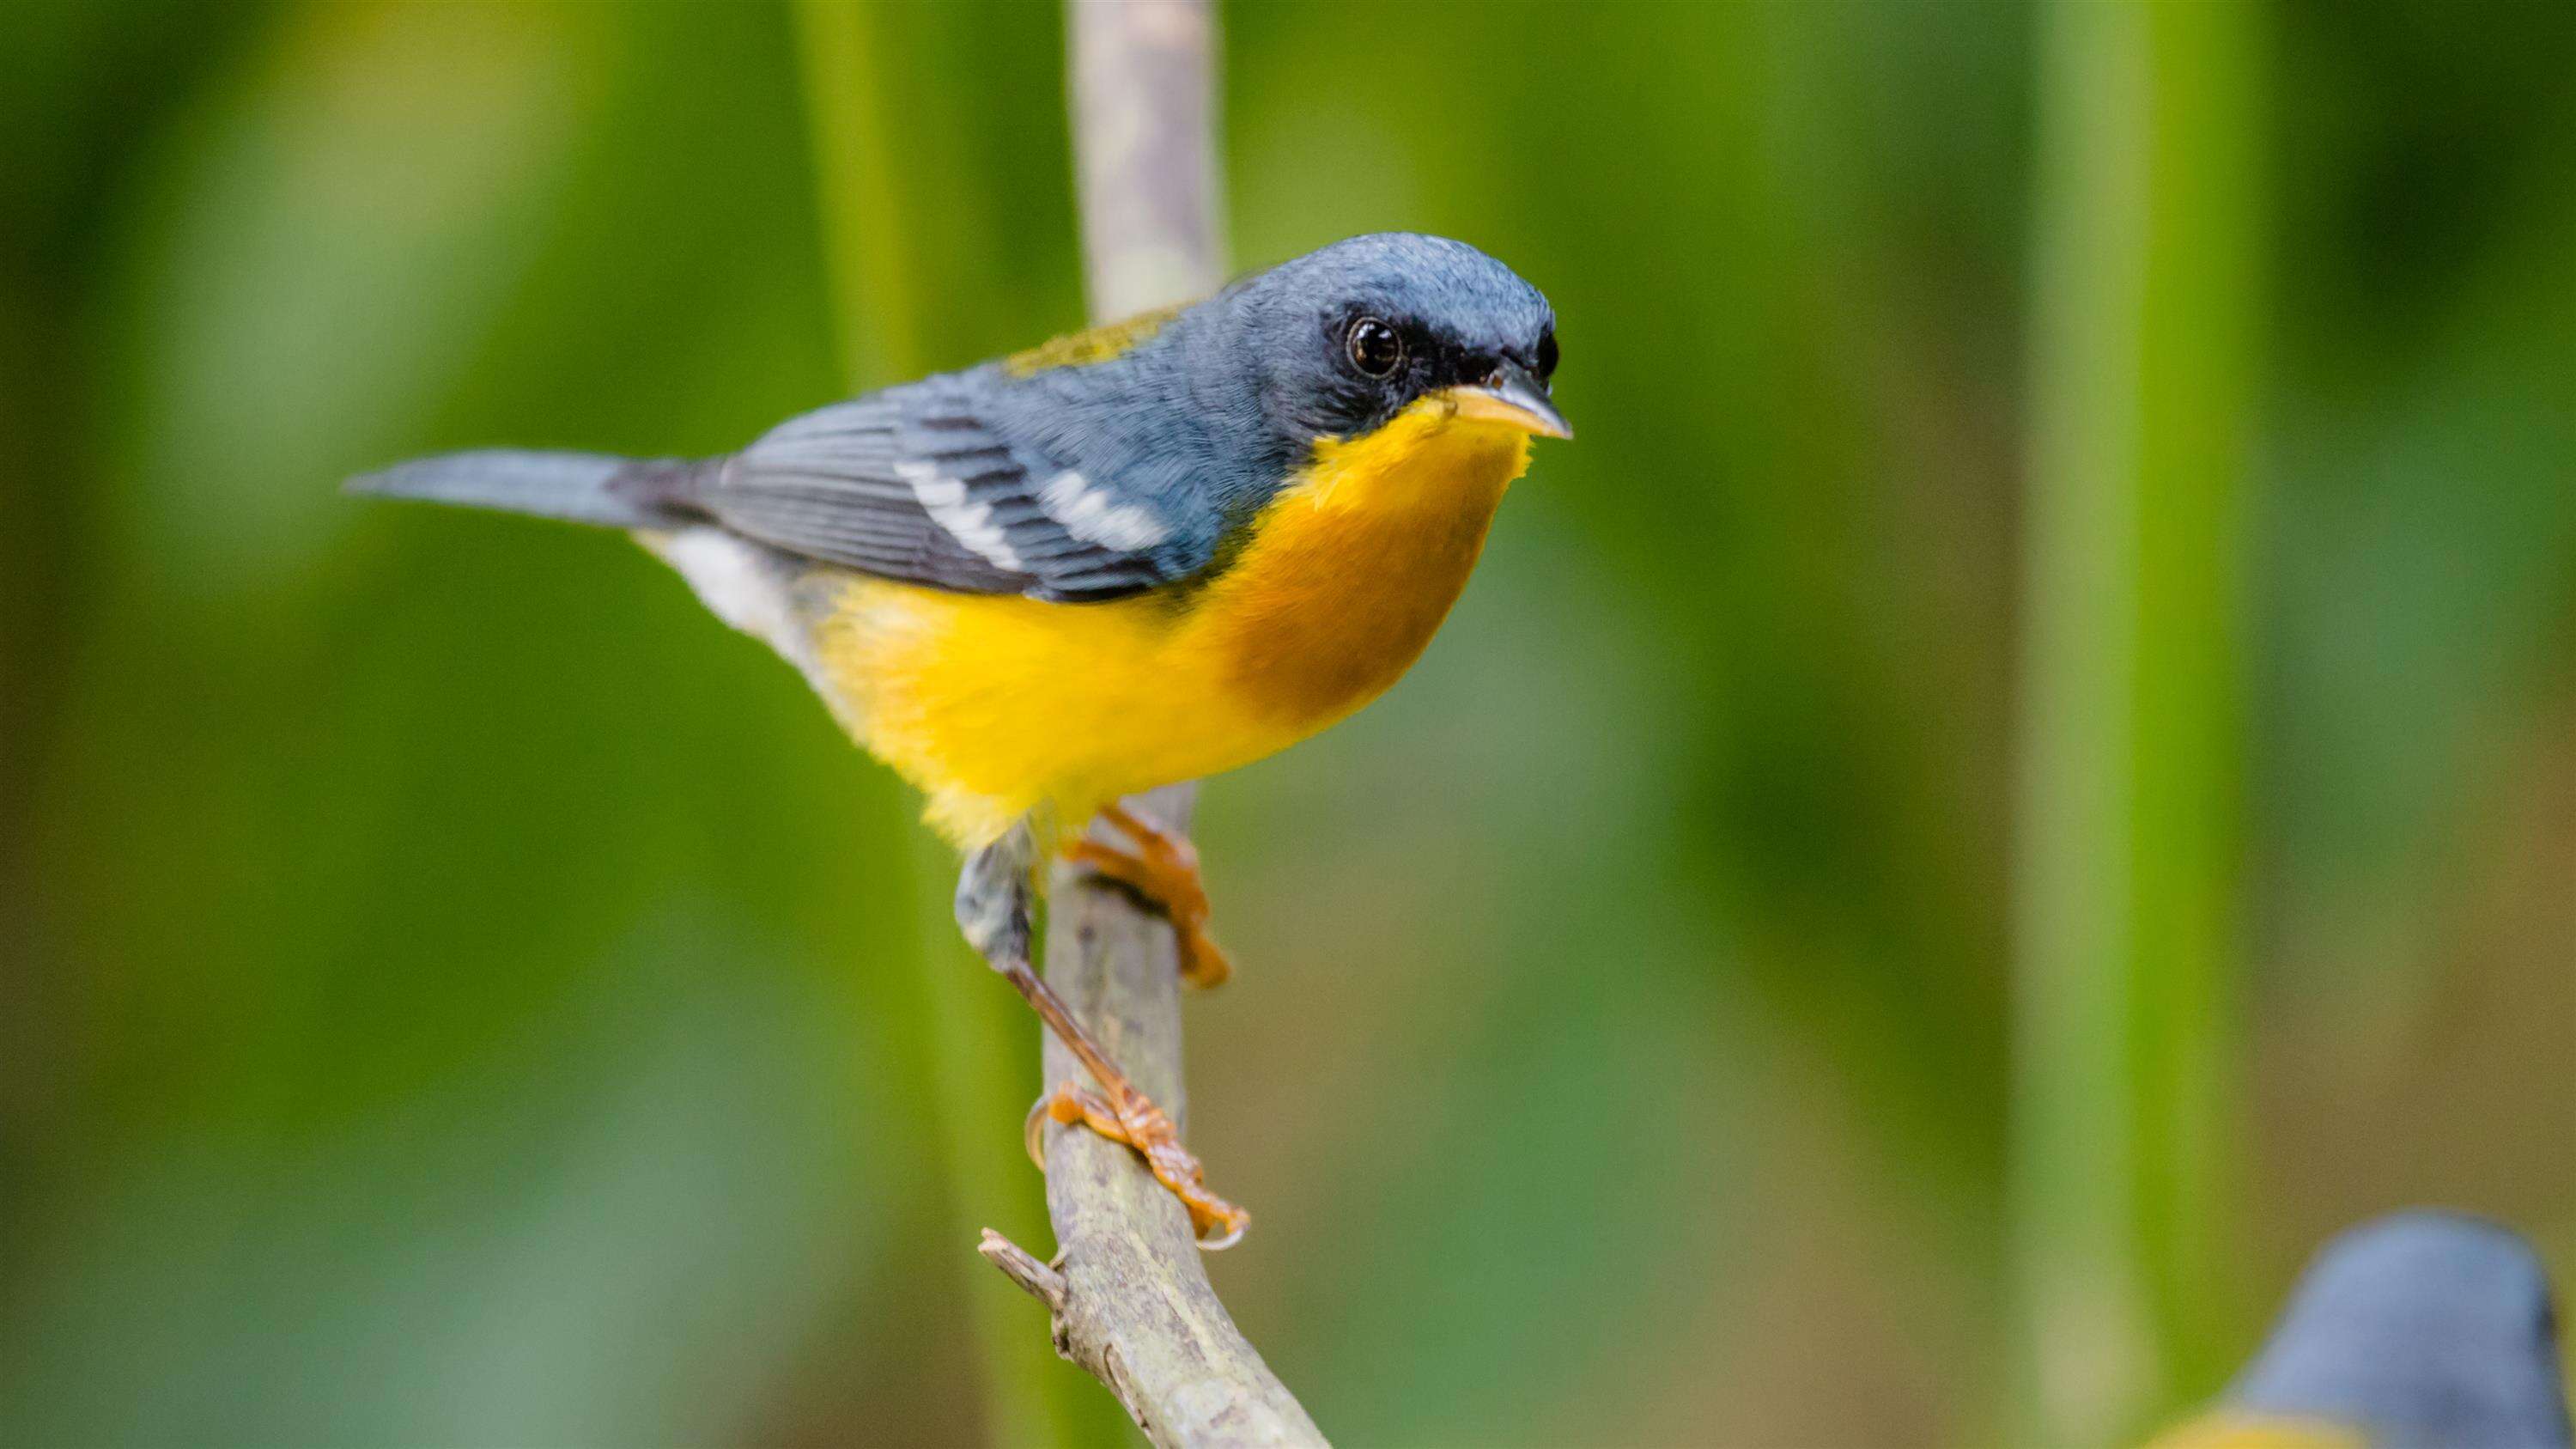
[(1546, 358), (1375, 348)]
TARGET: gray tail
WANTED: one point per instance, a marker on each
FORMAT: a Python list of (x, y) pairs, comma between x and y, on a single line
[(596, 488)]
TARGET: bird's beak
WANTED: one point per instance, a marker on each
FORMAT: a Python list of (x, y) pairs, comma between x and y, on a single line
[(1510, 396)]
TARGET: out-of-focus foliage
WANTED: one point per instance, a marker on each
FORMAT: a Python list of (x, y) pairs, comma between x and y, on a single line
[(452, 991)]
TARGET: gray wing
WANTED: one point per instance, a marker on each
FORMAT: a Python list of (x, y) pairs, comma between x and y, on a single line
[(917, 484)]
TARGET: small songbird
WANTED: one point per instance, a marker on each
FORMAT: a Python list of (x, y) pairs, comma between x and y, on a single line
[(2423, 1330), (1134, 556)]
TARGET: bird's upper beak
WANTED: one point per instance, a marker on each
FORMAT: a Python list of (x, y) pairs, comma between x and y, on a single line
[(1509, 395)]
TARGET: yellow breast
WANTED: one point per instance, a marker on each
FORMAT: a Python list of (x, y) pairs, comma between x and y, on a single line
[(997, 707), (1349, 571)]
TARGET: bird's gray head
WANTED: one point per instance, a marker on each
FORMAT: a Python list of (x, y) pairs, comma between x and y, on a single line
[(2424, 1328), (1349, 336)]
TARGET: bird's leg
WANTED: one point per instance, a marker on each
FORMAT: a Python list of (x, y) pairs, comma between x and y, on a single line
[(994, 896), (1121, 1113), (1164, 869)]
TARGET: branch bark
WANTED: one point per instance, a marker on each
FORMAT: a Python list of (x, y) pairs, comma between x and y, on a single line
[(1127, 1292)]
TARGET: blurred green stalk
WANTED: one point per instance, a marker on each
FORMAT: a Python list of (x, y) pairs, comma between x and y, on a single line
[(976, 1040), (2143, 364)]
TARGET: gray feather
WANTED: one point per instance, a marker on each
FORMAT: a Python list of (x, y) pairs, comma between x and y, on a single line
[(2430, 1330), (596, 488)]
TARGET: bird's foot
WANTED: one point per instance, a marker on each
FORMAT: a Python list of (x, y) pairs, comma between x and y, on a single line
[(1132, 1118), (1164, 870)]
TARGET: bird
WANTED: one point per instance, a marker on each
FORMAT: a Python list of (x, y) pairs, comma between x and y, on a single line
[(1133, 556), (2419, 1330)]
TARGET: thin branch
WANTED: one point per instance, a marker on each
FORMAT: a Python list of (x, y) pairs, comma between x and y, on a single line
[(1127, 1293), (1039, 1280), (1144, 140)]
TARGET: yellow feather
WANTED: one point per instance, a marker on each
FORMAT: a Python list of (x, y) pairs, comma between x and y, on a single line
[(2237, 1429), (1092, 344), (999, 706)]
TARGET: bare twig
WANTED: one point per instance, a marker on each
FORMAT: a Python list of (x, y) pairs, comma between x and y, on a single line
[(1144, 140), (1127, 1293), (1041, 1280)]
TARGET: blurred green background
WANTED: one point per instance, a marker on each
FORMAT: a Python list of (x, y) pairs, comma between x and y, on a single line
[(2021, 772)]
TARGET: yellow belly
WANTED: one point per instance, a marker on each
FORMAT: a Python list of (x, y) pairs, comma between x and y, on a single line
[(998, 707)]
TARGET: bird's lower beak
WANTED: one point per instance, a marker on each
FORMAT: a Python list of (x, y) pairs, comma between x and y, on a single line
[(1510, 396)]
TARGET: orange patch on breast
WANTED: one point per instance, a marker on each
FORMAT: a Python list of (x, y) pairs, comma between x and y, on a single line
[(1349, 573)]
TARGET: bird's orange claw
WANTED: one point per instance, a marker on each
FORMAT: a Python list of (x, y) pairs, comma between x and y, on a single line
[(1164, 869), (1133, 1119)]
